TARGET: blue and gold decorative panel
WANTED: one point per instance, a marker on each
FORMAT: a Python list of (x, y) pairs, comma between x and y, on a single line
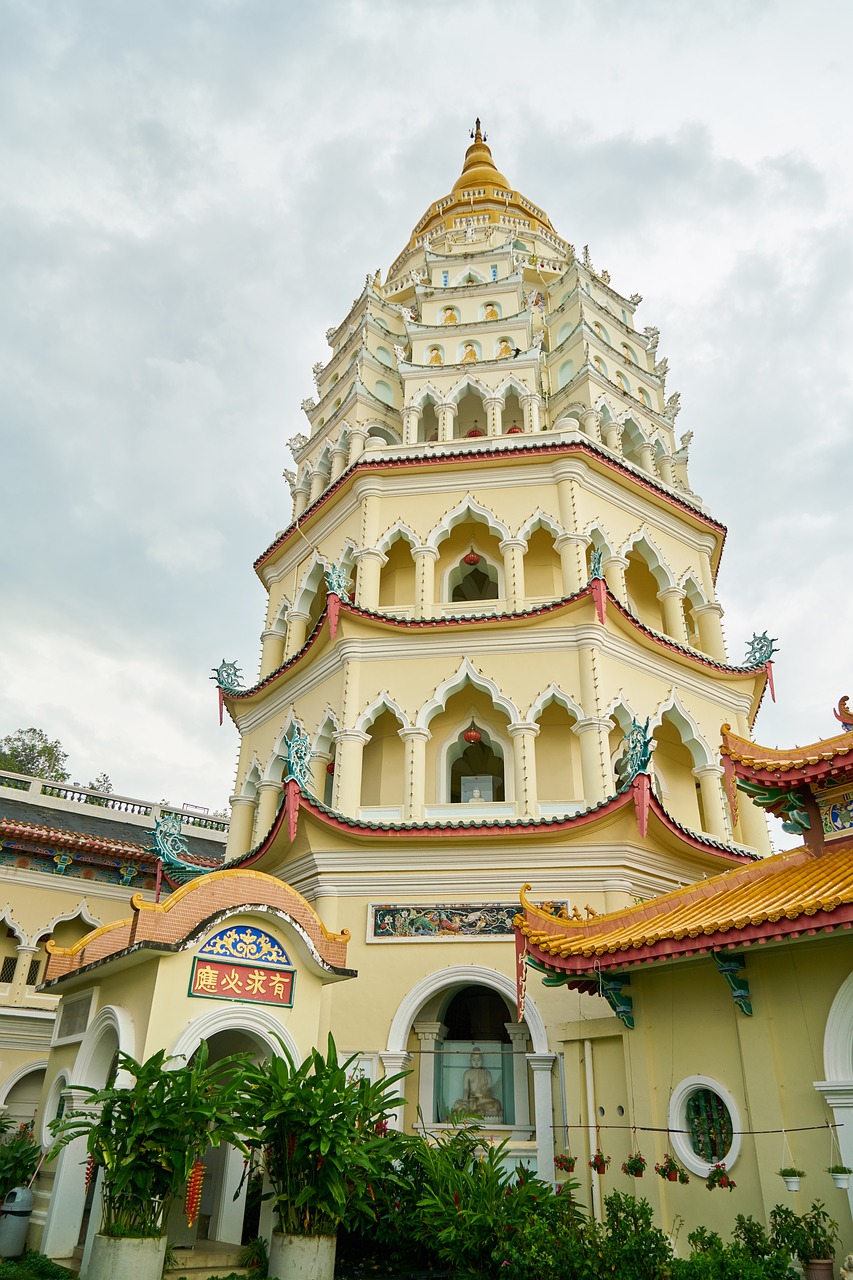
[(836, 810), (245, 943)]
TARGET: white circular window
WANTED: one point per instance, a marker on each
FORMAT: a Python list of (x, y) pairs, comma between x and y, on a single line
[(704, 1125)]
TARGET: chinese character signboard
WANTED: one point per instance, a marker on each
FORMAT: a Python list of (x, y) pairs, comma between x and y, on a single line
[(249, 983)]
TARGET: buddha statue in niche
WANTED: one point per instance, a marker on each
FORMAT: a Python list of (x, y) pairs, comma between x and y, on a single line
[(505, 349), (449, 316), (490, 312), (469, 353), (477, 1092), (435, 356)]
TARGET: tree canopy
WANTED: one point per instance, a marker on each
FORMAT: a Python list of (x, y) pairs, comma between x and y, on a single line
[(32, 752)]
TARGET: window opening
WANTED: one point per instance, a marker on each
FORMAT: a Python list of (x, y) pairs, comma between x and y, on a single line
[(474, 1067), (709, 1124), (476, 768)]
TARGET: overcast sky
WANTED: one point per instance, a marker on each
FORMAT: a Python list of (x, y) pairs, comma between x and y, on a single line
[(192, 192)]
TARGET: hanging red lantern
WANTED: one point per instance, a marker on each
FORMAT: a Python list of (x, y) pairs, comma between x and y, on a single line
[(475, 432), (472, 734), (515, 429), (192, 1199), (472, 558), (330, 768)]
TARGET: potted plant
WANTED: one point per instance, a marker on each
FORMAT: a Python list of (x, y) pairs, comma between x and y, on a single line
[(840, 1175), (635, 1165), (145, 1139), (599, 1162), (671, 1171), (321, 1131), (791, 1177), (718, 1176), (565, 1162), (809, 1237)]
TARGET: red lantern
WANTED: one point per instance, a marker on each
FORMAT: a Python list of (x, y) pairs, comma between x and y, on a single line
[(475, 432), (515, 429), (472, 558), (472, 734), (330, 768)]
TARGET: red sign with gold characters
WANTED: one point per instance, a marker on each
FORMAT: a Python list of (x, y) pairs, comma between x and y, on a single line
[(249, 983)]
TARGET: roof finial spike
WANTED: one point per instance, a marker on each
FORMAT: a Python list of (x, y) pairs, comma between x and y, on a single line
[(476, 132)]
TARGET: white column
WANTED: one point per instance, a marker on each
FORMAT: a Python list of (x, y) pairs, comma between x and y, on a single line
[(425, 558), (512, 550), (594, 736), (519, 1035), (530, 408), (591, 423), (612, 432), (430, 1035), (614, 572), (752, 821), (297, 630), (349, 758), (572, 551), (666, 469), (647, 457), (392, 1063), (494, 409), (446, 417), (340, 456), (357, 441), (19, 983), (541, 1065), (269, 793), (319, 482), (411, 417), (300, 499), (241, 827), (708, 620), (369, 561), (414, 740), (272, 650), (68, 1195), (227, 1218), (672, 604), (711, 792), (523, 737)]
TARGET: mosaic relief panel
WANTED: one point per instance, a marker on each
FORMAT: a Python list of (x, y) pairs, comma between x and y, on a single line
[(836, 810), (390, 923)]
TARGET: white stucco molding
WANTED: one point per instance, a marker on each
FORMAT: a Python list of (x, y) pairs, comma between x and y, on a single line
[(250, 1019), (465, 975), (90, 1066)]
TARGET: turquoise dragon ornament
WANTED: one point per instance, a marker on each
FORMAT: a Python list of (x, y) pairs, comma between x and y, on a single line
[(298, 747), (637, 755)]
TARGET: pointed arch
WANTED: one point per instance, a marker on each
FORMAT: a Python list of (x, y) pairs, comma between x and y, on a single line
[(642, 543), (468, 509), (377, 430), (311, 579), (324, 737), (466, 674), (253, 776), (673, 710), (633, 439), (691, 588), (468, 382), (597, 538), (509, 385), (427, 392), (80, 912), (605, 408), (553, 693), (393, 534), (463, 277), (381, 703), (540, 520), (7, 917)]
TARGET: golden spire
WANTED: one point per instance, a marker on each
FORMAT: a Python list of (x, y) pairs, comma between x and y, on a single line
[(479, 167)]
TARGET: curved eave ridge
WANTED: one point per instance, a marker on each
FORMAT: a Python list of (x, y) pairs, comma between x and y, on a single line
[(511, 453), (771, 892), (750, 759), (509, 827), (457, 620)]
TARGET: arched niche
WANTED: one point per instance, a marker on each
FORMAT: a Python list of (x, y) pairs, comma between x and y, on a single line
[(467, 583), (470, 414), (558, 762), (676, 754), (645, 576), (693, 598), (512, 414), (543, 576), (382, 761), (633, 439), (427, 421), (397, 575), (446, 760)]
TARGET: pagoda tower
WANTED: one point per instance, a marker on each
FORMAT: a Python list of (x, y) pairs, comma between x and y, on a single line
[(496, 573)]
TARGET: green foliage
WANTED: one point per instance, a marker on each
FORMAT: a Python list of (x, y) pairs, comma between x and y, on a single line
[(30, 751), (147, 1136), (254, 1255), (33, 1266), (19, 1156), (321, 1131), (805, 1236), (749, 1256)]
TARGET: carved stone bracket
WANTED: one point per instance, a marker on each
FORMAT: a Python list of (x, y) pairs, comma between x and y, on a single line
[(732, 967)]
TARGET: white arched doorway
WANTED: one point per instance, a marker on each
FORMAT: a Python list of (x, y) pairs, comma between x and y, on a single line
[(444, 983), (837, 1089)]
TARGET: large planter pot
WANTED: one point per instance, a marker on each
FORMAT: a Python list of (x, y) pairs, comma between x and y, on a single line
[(302, 1257), (819, 1269), (120, 1258)]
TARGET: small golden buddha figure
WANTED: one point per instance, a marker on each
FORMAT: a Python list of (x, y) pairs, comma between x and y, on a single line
[(505, 349), (491, 312), (449, 316), (620, 382), (435, 356), (469, 353)]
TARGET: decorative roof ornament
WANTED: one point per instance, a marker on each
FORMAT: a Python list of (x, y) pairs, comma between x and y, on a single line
[(298, 757), (298, 441), (596, 563), (637, 755), (844, 714), (672, 408), (760, 650), (228, 677), (652, 337), (170, 844), (338, 581)]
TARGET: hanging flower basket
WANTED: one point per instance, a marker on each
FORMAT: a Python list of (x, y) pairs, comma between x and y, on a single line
[(840, 1175), (791, 1177), (635, 1165), (565, 1162), (599, 1162), (671, 1171), (719, 1177)]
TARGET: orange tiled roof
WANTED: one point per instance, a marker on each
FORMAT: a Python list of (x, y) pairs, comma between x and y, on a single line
[(750, 756), (757, 902)]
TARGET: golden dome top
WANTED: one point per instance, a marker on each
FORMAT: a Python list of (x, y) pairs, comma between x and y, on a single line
[(479, 167)]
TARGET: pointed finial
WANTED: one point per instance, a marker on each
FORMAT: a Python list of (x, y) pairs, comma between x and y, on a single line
[(476, 132)]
